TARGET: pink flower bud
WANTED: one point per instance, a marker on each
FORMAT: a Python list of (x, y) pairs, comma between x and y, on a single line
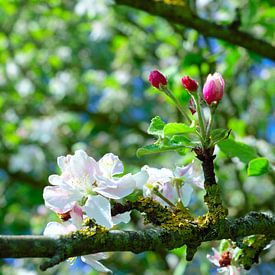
[(192, 106), (189, 84), (213, 88), (156, 78)]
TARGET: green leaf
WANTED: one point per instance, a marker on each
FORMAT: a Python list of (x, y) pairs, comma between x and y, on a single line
[(183, 140), (156, 148), (218, 135), (240, 150), (156, 126), (178, 128), (257, 167)]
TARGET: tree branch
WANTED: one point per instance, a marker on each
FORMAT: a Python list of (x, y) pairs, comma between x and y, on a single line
[(80, 243), (180, 14)]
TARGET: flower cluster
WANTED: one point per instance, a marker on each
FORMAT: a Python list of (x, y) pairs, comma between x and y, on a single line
[(85, 187), (90, 184), (168, 187)]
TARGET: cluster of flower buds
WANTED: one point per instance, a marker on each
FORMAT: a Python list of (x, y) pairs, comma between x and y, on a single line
[(212, 90)]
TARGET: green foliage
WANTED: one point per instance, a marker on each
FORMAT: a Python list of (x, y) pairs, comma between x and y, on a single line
[(232, 148), (217, 135), (171, 137), (257, 167)]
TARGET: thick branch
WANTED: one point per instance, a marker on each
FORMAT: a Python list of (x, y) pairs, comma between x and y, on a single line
[(181, 15), (135, 241)]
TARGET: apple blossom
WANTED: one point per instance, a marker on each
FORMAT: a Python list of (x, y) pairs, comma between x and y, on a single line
[(224, 262), (83, 180), (55, 229), (164, 181), (213, 88)]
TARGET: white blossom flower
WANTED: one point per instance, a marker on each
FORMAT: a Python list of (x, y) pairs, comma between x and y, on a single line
[(55, 229), (223, 262), (164, 181), (85, 181)]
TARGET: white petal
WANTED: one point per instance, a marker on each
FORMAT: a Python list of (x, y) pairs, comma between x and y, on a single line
[(63, 162), (125, 218), (141, 178), (83, 166), (158, 175), (110, 165), (55, 180), (55, 229), (59, 199), (120, 188), (186, 193), (89, 259), (99, 208)]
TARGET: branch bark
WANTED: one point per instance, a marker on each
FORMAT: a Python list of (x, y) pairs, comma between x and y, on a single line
[(78, 243), (180, 14)]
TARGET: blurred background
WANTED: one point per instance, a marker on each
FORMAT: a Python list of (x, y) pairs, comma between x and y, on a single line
[(73, 75)]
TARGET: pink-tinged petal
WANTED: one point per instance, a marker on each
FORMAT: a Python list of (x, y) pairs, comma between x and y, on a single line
[(181, 171), (99, 208), (186, 193), (77, 216), (59, 199), (110, 165), (140, 179), (217, 255), (55, 229), (169, 192), (120, 188), (214, 258), (125, 218), (91, 260)]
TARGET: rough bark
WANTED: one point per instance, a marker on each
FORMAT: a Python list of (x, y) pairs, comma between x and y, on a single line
[(136, 241)]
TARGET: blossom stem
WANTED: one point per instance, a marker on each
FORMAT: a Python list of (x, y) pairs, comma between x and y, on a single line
[(178, 104), (179, 195), (196, 99), (156, 192), (210, 122)]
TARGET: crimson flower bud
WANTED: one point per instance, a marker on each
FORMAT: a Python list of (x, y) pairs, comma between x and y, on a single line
[(156, 78), (213, 88), (192, 106), (189, 84)]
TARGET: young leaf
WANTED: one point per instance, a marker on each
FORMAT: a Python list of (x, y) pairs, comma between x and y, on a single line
[(183, 140), (156, 126), (240, 150), (178, 128), (156, 148), (257, 167), (218, 135)]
